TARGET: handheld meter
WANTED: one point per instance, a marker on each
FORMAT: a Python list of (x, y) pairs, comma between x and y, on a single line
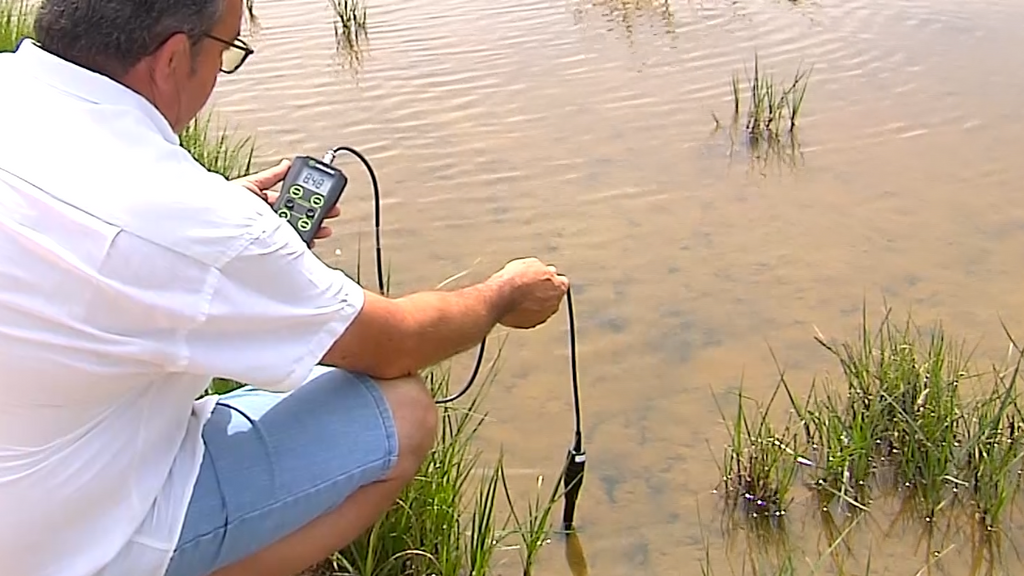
[(309, 191)]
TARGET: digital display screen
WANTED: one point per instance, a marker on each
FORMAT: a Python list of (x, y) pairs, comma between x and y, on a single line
[(314, 179)]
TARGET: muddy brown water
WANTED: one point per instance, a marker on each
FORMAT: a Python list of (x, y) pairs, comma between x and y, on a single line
[(581, 133)]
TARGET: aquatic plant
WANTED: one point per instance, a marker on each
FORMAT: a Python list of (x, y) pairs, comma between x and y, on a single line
[(897, 422), (350, 31), (901, 412), (533, 529), (769, 121), (780, 557), (773, 108), (628, 17), (758, 467)]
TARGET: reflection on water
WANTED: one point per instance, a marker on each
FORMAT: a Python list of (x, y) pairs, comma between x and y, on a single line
[(350, 32), (578, 131), (629, 15), (574, 555), (780, 153)]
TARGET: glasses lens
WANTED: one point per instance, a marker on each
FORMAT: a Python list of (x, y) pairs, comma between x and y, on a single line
[(231, 59)]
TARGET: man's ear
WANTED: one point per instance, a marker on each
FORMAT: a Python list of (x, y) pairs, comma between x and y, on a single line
[(172, 62)]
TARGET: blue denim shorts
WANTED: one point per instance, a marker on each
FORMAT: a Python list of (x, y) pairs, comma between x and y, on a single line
[(276, 461)]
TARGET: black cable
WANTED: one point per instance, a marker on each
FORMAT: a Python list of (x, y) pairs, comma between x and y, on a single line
[(572, 475), (380, 264), (576, 459), (376, 205), (578, 445)]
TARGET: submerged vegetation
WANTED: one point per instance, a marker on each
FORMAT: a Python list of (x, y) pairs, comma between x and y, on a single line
[(908, 419), (350, 31), (630, 16)]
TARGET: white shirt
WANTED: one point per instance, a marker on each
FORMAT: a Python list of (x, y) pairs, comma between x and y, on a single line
[(131, 276)]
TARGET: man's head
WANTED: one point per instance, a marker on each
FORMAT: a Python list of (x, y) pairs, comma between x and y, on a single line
[(169, 51)]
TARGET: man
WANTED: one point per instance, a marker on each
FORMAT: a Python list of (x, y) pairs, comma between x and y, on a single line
[(131, 276)]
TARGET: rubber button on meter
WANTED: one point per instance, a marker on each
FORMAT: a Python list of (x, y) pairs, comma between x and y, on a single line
[(304, 224), (310, 212), (284, 214), (317, 200), (295, 191), (289, 203)]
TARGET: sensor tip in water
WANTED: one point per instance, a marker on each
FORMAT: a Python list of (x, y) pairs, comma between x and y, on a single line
[(572, 480)]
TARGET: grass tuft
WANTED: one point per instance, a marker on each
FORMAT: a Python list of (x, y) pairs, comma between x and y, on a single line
[(773, 108), (758, 467), (218, 150), (350, 32), (898, 422), (771, 116), (533, 529)]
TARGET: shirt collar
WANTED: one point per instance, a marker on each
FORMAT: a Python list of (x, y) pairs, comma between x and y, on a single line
[(88, 85)]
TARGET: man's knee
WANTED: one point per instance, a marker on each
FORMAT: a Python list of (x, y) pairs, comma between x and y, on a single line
[(415, 415)]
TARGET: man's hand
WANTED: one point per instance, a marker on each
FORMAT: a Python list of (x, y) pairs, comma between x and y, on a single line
[(537, 291), (261, 183), (394, 337)]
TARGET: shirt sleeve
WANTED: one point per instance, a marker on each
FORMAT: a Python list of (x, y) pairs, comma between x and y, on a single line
[(275, 309)]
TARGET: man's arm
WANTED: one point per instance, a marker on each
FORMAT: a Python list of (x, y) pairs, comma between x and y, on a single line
[(277, 310), (391, 338)]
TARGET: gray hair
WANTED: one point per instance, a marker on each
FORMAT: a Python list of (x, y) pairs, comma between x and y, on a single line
[(112, 36)]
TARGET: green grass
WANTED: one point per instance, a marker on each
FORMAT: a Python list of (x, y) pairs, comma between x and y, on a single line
[(15, 23), (902, 420), (218, 150), (769, 115), (758, 468), (449, 521), (773, 108)]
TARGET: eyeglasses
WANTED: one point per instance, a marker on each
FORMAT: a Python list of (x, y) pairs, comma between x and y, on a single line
[(234, 56)]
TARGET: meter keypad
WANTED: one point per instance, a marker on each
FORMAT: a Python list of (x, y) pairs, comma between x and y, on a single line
[(310, 188), (302, 206)]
